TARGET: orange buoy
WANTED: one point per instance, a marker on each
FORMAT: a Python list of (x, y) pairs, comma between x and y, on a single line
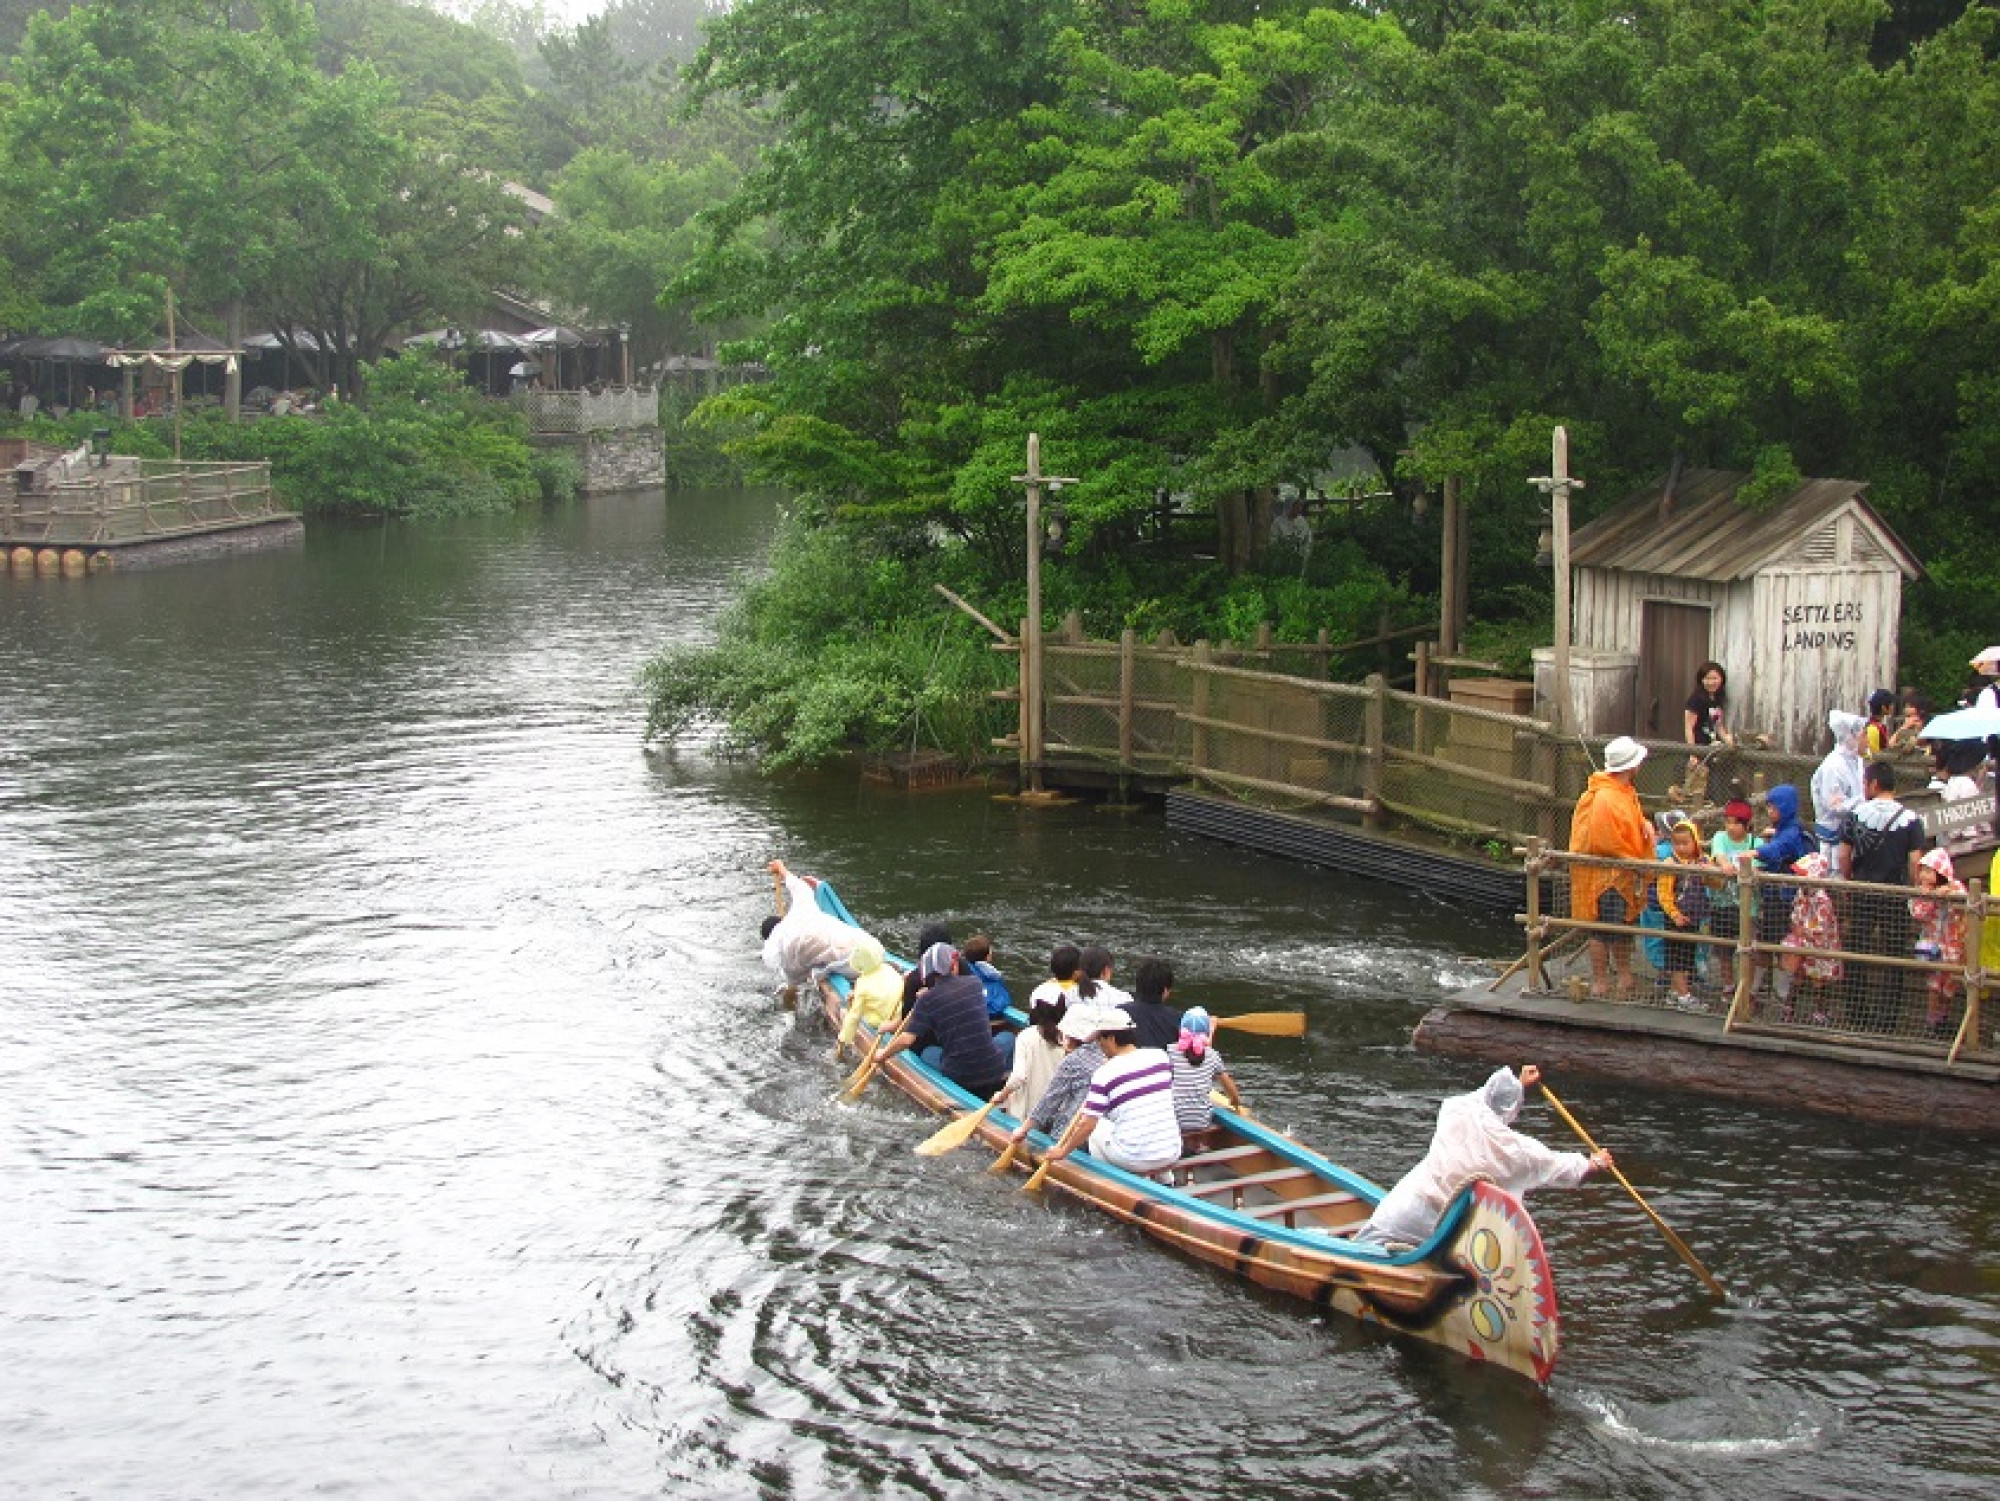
[(23, 559), (99, 560), (73, 561), (48, 560)]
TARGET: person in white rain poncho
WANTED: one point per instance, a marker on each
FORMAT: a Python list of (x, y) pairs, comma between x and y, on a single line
[(808, 943), (1836, 786), (1475, 1139)]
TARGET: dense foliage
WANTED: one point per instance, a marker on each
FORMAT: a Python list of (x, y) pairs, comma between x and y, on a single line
[(1224, 246)]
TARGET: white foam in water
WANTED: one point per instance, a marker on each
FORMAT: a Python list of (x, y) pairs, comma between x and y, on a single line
[(1801, 1433)]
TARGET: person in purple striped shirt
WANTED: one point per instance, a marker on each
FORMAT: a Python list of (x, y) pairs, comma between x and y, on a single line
[(1128, 1118)]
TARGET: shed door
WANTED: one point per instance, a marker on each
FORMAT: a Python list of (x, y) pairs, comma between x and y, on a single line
[(1673, 642)]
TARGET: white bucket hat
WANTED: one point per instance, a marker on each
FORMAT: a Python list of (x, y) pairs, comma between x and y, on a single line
[(1623, 754)]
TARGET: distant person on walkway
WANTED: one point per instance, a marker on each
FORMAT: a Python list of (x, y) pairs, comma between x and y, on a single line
[(1608, 821), (1815, 924), (1881, 844), (807, 943), (1982, 690), (1836, 786), (1684, 902), (1475, 1138), (1881, 724), (1916, 709), (1787, 842), (1725, 915), (1940, 920)]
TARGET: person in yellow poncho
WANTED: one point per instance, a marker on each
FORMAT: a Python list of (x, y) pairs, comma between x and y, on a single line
[(876, 996), (1609, 821)]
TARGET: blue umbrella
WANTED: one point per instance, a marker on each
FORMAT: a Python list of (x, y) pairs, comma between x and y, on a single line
[(1963, 724)]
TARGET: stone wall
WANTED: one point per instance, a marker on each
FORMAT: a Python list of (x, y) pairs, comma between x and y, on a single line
[(621, 458)]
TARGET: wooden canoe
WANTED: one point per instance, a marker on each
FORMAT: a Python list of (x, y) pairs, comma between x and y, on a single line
[(1265, 1208)]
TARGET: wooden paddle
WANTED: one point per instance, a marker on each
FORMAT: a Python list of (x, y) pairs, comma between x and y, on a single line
[(789, 994), (1006, 1159), (1034, 1183), (958, 1133), (1679, 1245), (1266, 1023), (859, 1079)]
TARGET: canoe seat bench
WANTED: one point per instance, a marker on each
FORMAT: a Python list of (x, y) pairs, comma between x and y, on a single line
[(1237, 1187), (1290, 1207)]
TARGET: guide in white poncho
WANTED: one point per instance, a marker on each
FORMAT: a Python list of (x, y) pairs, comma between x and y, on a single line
[(1475, 1138)]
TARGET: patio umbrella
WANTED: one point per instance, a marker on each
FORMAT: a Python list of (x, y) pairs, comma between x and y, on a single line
[(525, 367), (1963, 724)]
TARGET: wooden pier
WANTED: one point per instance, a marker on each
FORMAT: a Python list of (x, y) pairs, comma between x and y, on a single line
[(81, 514)]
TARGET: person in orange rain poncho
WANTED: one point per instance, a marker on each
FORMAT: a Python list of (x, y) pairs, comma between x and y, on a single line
[(1609, 821)]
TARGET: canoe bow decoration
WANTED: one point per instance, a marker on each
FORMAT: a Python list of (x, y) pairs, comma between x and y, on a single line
[(1274, 1212), (1513, 1294)]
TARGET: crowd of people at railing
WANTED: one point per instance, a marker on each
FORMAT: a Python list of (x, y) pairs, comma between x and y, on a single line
[(1867, 884)]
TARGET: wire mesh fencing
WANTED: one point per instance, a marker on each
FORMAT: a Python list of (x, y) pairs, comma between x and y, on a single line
[(1893, 967)]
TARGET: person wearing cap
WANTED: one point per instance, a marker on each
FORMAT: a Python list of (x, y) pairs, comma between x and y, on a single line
[(1475, 1138), (949, 1026), (875, 997), (808, 943), (1127, 1118), (1071, 1080), (1987, 665), (1725, 914), (1198, 1071), (1609, 822)]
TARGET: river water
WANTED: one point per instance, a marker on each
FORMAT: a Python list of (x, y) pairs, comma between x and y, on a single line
[(391, 1104)]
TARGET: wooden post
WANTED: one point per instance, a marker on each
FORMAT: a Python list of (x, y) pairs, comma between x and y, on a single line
[(1537, 981), (1423, 683), (1975, 972), (1021, 681), (1451, 624), (1325, 655), (1557, 486), (1031, 635), (1198, 741), (1373, 756), (1746, 938), (1542, 766), (1127, 689), (1264, 641)]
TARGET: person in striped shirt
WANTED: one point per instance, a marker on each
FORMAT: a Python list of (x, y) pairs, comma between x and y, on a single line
[(1198, 1070), (1127, 1118)]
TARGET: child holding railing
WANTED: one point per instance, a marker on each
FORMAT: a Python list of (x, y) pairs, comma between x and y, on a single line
[(1940, 937)]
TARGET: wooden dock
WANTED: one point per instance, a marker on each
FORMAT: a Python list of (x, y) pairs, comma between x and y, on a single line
[(1663, 1049), (125, 512)]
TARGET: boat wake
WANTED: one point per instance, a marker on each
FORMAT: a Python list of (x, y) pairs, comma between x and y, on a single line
[(1690, 1428)]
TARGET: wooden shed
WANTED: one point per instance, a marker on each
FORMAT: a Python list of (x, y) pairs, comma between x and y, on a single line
[(1798, 600)]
